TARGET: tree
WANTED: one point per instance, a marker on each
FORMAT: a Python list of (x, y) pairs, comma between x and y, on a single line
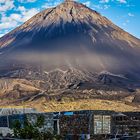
[(27, 131), (33, 131)]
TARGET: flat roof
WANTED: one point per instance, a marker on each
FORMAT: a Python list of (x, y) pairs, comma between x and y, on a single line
[(12, 111)]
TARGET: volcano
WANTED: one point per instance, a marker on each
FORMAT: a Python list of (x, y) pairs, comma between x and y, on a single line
[(69, 47)]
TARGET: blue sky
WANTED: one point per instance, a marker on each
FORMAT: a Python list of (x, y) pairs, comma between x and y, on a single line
[(124, 13)]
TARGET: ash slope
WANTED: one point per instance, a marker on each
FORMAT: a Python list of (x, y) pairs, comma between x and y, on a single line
[(71, 47)]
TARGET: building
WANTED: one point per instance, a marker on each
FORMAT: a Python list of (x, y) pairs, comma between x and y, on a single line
[(73, 125), (126, 122), (8, 116), (84, 123), (91, 124)]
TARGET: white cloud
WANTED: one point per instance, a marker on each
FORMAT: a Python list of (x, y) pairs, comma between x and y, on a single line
[(14, 20), (130, 5), (16, 17), (8, 22), (106, 6), (12, 17), (47, 5), (7, 25), (6, 5), (104, 1), (21, 8), (130, 15), (25, 1), (2, 35), (122, 1), (87, 3), (126, 22), (100, 7), (51, 3), (27, 14), (107, 1)]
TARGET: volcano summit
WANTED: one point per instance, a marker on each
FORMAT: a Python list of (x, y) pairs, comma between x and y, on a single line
[(69, 48)]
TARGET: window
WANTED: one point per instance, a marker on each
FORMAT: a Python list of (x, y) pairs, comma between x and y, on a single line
[(102, 124), (3, 121)]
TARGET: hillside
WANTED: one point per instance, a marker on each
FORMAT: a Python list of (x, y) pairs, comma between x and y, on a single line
[(70, 51)]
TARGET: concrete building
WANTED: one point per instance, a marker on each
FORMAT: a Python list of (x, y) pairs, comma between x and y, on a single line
[(88, 124), (126, 122), (84, 124), (9, 116)]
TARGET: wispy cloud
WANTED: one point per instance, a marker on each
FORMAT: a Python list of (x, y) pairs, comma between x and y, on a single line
[(6, 5), (107, 1), (87, 3), (7, 22), (51, 3), (27, 14), (131, 15), (100, 7), (104, 1), (25, 1), (122, 1), (15, 19), (126, 22)]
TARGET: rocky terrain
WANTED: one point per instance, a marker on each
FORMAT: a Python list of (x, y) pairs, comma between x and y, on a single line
[(70, 53)]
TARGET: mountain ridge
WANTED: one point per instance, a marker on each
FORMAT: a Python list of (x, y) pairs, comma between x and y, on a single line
[(69, 48), (69, 5)]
